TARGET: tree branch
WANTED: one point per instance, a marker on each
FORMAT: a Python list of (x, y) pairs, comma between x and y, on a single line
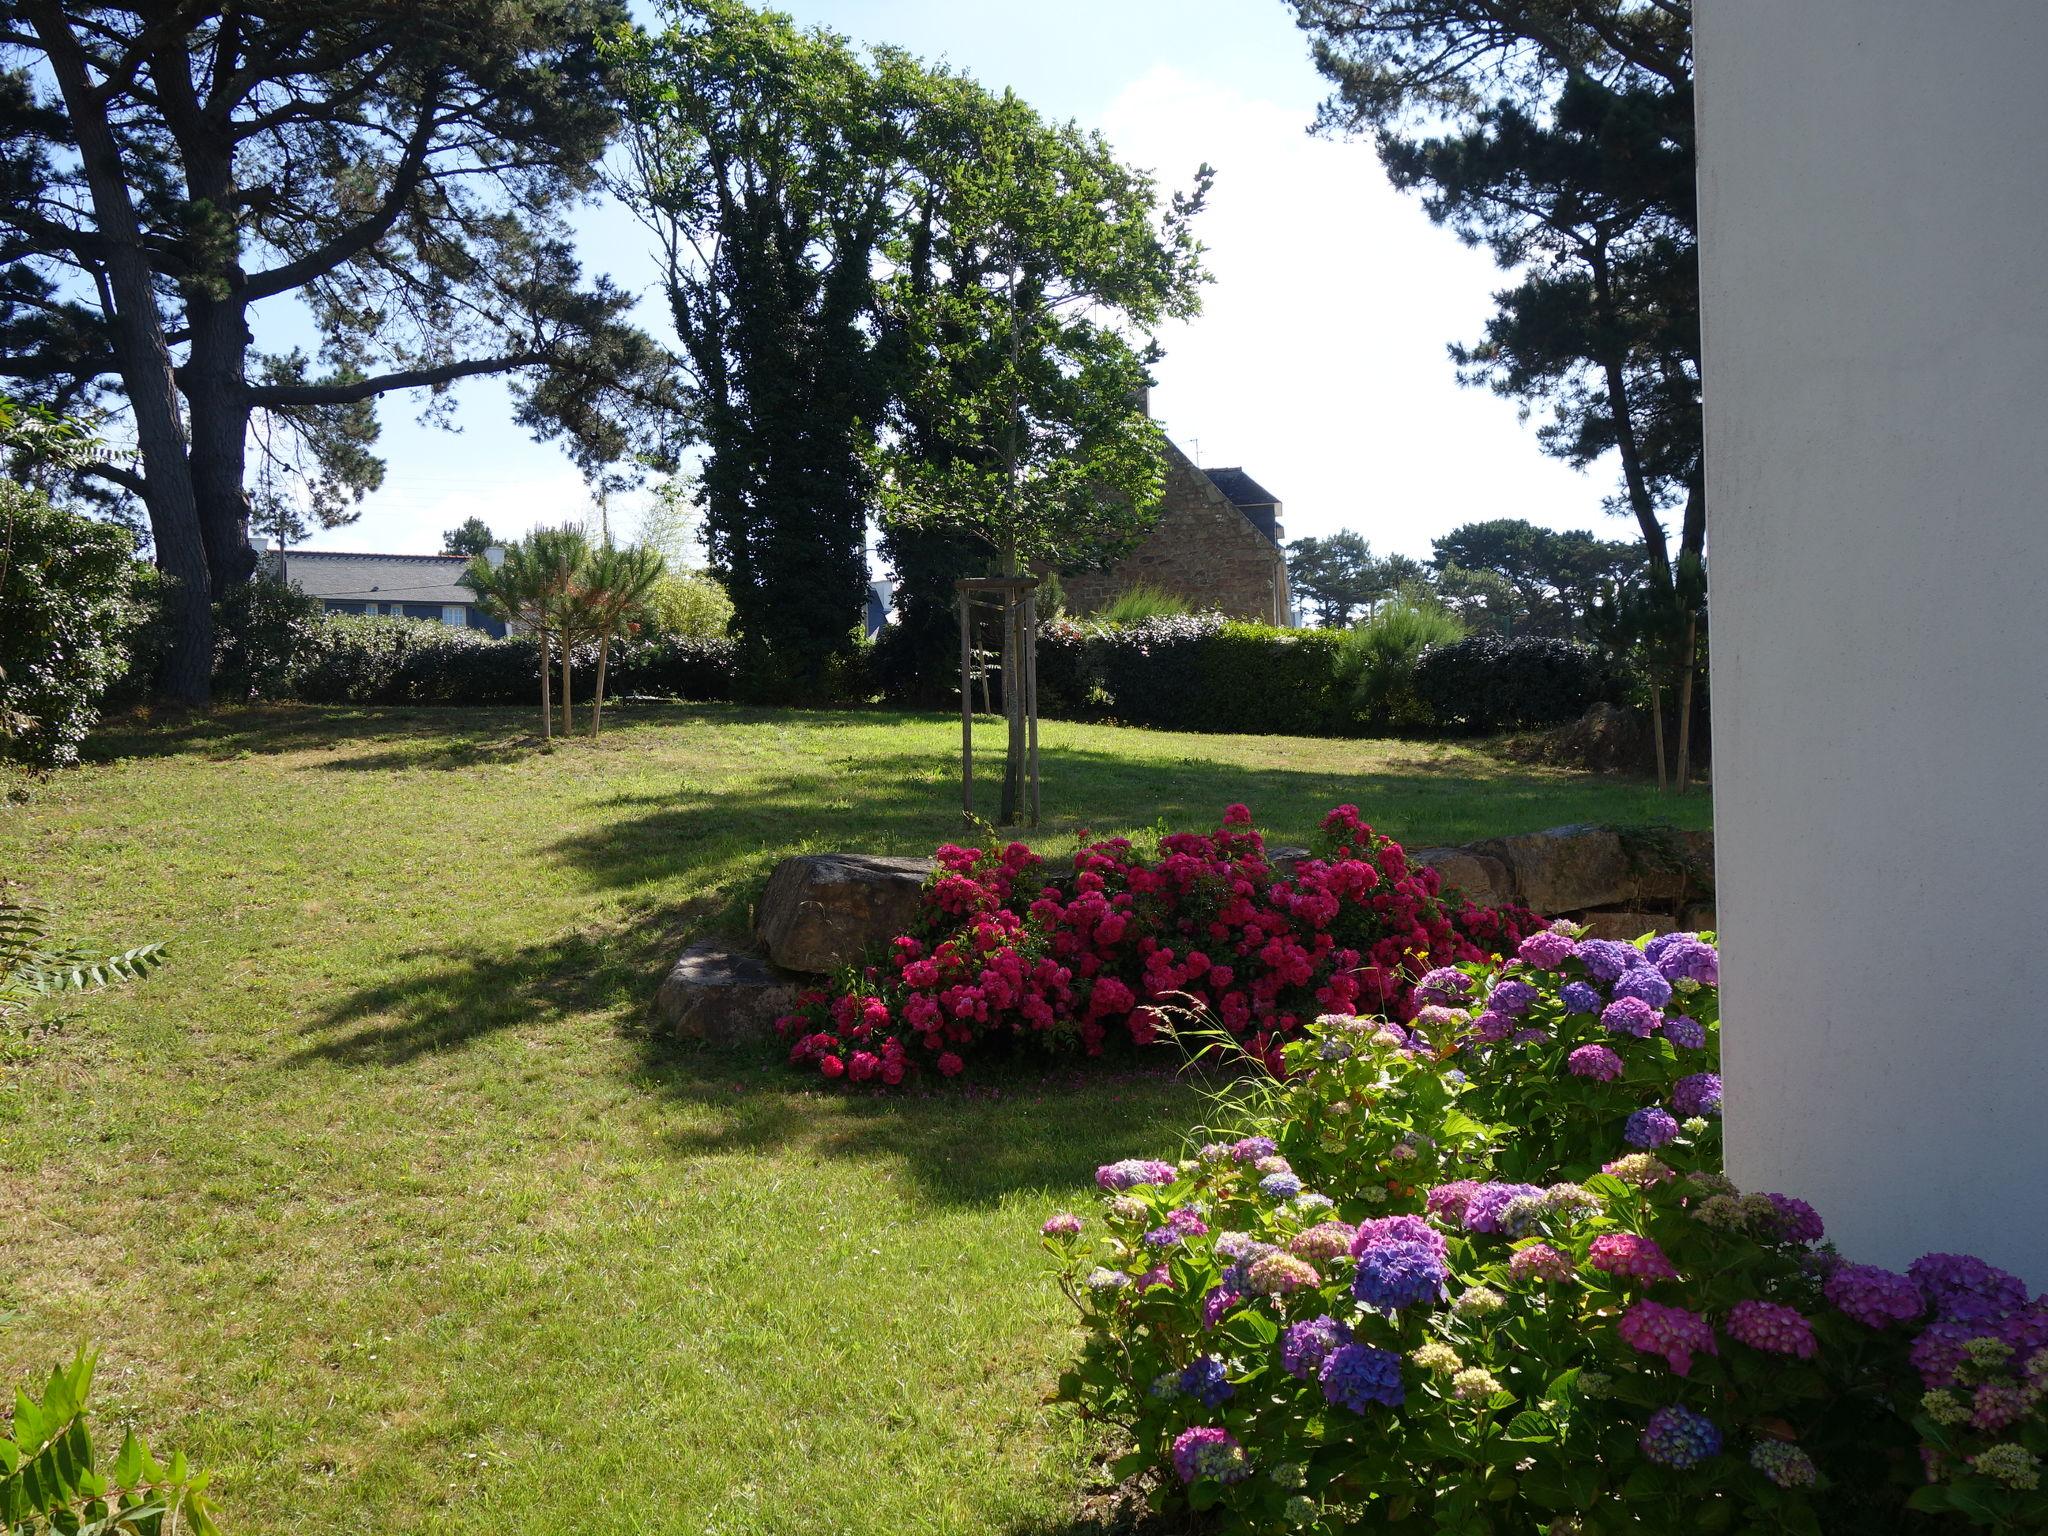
[(350, 391)]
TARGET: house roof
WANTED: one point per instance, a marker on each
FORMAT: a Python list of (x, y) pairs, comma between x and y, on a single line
[(1241, 488), (345, 577)]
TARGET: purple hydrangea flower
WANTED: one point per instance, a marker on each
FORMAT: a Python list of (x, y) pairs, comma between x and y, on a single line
[(1630, 1016), (1578, 997), (1492, 1028), (1680, 1438), (1446, 1200), (1133, 1171), (1357, 1375), (1218, 1301), (1393, 1275), (1699, 1094), (1685, 1032), (1874, 1297), (1305, 1346), (1206, 1379), (1444, 986), (1546, 951), (1646, 984), (1241, 1247), (1513, 998), (1204, 1451), (1608, 959), (1954, 1281), (1940, 1350), (1065, 1224), (1596, 1062), (1280, 1186), (1483, 1210), (1798, 1222), (1399, 1229), (1685, 957), (1650, 1128), (1252, 1148), (1766, 1325)]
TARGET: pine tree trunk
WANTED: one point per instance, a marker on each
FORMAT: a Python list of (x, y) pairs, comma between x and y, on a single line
[(604, 651), (1692, 636), (547, 698), (568, 723), (1657, 735)]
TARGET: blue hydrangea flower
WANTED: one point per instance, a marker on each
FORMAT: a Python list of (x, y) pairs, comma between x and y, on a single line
[(1699, 1094), (1206, 1380), (1685, 1032), (1513, 998), (1646, 983), (1608, 959), (1305, 1346), (1678, 1437), (1579, 997), (1650, 1128), (1280, 1186), (1397, 1274), (1357, 1376)]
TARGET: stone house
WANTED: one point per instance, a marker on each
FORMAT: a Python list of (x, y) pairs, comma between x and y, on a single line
[(1216, 545)]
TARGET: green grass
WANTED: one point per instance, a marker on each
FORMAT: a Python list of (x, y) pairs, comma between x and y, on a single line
[(383, 1200)]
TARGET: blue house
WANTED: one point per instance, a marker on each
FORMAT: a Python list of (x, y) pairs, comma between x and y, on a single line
[(394, 586)]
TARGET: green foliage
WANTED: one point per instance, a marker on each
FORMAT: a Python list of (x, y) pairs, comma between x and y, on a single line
[(54, 1479), (1488, 683), (1555, 579), (260, 628), (1377, 659), (1197, 673), (68, 604), (472, 536), (1136, 604), (1335, 577), (690, 604), (33, 966)]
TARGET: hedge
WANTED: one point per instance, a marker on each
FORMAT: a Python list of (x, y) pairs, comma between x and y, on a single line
[(1205, 673)]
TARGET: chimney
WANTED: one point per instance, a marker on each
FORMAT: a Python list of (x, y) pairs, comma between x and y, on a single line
[(1141, 397), (494, 556)]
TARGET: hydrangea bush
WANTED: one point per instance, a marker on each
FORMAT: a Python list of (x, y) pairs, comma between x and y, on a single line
[(1478, 1271), (1107, 948)]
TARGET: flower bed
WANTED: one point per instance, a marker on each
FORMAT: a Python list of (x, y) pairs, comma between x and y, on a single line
[(1101, 952), (1478, 1271)]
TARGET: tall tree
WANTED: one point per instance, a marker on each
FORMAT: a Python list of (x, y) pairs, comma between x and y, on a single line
[(472, 536), (1559, 135), (764, 159), (1335, 577), (1555, 578), (402, 171)]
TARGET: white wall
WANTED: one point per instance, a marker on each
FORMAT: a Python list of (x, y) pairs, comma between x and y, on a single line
[(1874, 183)]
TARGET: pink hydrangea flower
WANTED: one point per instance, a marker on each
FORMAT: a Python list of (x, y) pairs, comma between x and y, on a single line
[(1540, 1261), (1630, 1256), (1766, 1325), (1673, 1332)]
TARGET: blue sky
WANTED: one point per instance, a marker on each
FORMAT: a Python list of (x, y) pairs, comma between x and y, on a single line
[(1317, 364)]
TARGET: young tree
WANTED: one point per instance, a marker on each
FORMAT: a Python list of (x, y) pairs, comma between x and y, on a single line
[(616, 585), (401, 170), (538, 586), (1336, 577), (471, 537)]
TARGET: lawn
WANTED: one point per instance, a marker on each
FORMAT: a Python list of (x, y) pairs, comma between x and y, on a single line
[(384, 1201)]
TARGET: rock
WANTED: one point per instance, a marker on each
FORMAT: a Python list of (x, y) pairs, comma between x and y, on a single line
[(1478, 877), (1566, 869), (823, 911), (1697, 919), (1285, 856), (1625, 925), (724, 995)]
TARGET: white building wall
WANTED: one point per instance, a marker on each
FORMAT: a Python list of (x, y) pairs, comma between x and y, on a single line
[(1874, 184)]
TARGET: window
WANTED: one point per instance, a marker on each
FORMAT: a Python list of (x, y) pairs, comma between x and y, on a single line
[(454, 615)]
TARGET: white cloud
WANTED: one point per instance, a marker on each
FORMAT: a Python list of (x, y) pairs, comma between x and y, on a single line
[(1318, 361)]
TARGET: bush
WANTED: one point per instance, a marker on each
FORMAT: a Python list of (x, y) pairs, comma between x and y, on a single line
[(67, 606), (1376, 662), (1487, 683), (1101, 953), (1142, 602), (691, 604), (260, 629), (1480, 1272), (1196, 673)]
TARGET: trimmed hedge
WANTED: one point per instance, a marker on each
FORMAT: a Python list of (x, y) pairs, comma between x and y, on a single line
[(345, 660), (1486, 683), (1206, 673)]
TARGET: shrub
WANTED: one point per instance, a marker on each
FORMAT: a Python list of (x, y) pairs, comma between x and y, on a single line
[(53, 1478), (1101, 953), (1480, 1272), (260, 629), (1487, 683), (1204, 673), (691, 604), (1141, 602), (1376, 661), (67, 605)]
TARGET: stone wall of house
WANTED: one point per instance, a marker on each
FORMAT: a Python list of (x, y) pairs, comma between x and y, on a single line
[(1202, 549)]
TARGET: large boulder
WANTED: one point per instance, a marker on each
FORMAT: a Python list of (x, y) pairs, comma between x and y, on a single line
[(823, 911), (1625, 926), (724, 995), (1565, 869), (1478, 877)]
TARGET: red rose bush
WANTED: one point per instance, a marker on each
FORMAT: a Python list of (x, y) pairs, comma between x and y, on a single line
[(1100, 951)]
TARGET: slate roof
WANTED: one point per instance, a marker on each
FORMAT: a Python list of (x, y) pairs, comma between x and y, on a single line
[(1241, 488), (354, 578)]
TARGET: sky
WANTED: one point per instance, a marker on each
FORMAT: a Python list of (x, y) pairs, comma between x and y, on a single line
[(1318, 362)]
